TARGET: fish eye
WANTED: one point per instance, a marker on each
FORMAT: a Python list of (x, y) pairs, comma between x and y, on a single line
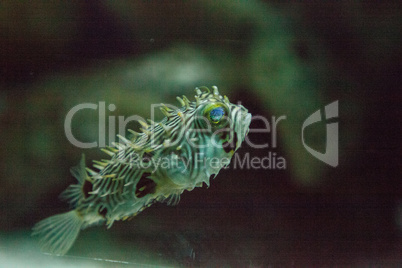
[(215, 112)]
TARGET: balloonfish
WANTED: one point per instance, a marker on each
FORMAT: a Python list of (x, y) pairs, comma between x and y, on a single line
[(182, 151)]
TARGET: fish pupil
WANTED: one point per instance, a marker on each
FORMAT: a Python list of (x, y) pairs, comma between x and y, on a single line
[(216, 114)]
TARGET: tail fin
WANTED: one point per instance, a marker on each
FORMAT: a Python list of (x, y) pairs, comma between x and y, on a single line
[(58, 233)]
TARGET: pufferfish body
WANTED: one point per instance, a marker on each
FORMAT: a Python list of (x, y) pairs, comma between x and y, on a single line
[(183, 151)]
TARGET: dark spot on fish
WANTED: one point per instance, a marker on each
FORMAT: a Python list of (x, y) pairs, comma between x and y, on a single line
[(225, 134), (235, 140), (103, 212), (146, 157), (87, 188), (145, 186), (226, 147), (229, 146)]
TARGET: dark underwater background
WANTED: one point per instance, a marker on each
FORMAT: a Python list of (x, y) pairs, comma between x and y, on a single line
[(277, 58)]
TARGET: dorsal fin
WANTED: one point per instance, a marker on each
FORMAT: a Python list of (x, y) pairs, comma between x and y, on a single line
[(73, 192)]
